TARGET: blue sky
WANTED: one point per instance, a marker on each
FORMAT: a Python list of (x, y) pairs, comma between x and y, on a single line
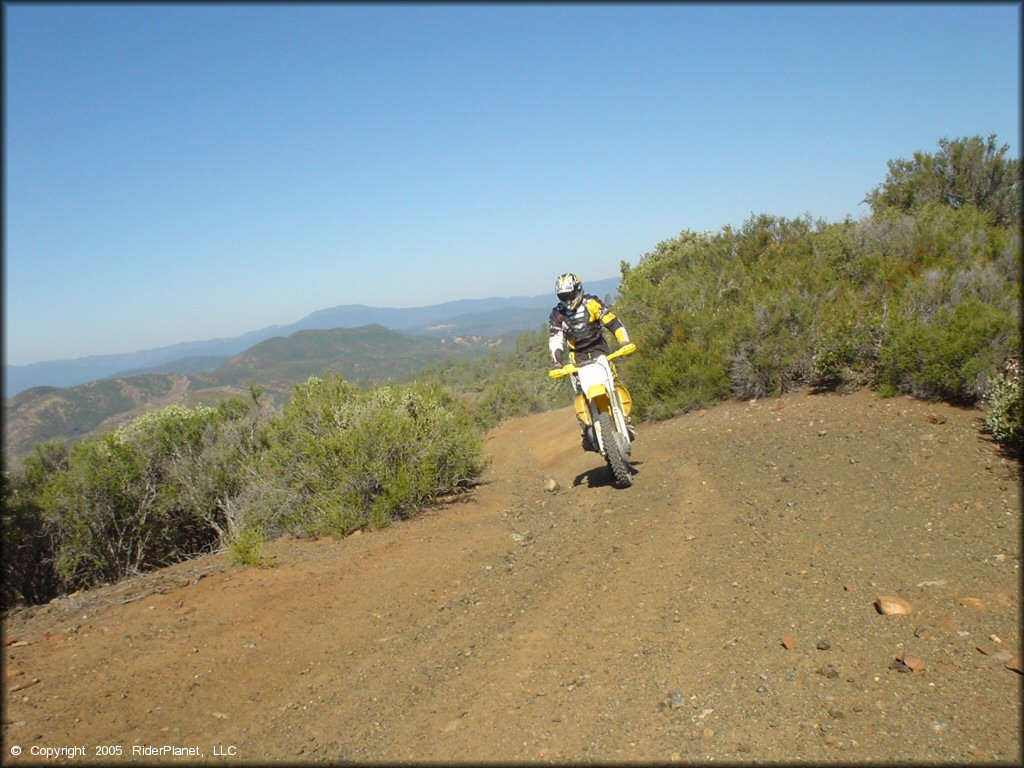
[(186, 172)]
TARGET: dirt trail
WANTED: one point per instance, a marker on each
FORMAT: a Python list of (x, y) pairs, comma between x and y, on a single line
[(588, 623)]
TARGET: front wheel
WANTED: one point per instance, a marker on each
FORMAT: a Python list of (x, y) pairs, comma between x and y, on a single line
[(614, 452)]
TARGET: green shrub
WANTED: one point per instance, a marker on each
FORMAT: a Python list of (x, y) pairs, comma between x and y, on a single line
[(774, 359), (246, 548), (842, 360), (518, 393), (1005, 417), (844, 341), (116, 508), (681, 377), (29, 570), (219, 477), (950, 356), (682, 304), (964, 171), (351, 459), (922, 299)]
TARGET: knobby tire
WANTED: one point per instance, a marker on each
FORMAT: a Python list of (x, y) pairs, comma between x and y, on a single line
[(613, 454)]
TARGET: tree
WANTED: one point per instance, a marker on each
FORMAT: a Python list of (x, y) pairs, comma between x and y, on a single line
[(965, 171)]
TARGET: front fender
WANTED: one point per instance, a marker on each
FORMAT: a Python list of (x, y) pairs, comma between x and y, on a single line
[(599, 397)]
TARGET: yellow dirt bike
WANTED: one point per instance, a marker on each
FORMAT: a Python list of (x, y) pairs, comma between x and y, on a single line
[(603, 407)]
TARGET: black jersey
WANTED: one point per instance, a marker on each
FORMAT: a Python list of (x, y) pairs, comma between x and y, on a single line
[(581, 327)]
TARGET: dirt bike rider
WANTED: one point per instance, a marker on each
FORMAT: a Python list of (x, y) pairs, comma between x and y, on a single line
[(577, 322)]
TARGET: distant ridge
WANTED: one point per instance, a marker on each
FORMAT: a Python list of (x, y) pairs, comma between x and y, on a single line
[(488, 317), (364, 355)]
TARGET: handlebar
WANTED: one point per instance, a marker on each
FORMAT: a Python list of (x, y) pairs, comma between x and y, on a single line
[(565, 370)]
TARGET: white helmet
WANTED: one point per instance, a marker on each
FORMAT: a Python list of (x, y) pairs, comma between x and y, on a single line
[(569, 289)]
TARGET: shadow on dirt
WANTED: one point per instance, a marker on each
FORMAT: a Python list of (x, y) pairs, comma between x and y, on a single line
[(601, 476)]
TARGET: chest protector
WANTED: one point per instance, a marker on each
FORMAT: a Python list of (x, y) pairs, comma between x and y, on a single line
[(580, 328)]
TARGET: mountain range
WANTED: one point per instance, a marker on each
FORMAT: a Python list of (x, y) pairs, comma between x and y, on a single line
[(491, 317), (205, 372)]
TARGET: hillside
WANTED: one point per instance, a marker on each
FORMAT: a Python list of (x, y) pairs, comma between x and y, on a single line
[(47, 413), (365, 355), (722, 609), (362, 355)]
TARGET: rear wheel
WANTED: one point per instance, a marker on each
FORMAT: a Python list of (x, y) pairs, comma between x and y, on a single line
[(614, 451)]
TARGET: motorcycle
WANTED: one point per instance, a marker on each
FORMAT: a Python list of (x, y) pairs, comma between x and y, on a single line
[(603, 407)]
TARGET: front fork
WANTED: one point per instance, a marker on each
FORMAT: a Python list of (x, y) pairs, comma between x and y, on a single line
[(617, 413)]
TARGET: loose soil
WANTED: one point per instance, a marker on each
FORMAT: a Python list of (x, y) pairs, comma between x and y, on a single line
[(723, 608)]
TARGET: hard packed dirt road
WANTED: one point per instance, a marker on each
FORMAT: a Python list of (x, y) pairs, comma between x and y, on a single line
[(724, 608)]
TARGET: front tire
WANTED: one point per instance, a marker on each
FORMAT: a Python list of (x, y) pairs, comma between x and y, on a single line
[(613, 450)]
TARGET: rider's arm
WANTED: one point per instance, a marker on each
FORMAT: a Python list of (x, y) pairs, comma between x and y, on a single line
[(610, 321), (556, 341), (555, 344), (620, 333)]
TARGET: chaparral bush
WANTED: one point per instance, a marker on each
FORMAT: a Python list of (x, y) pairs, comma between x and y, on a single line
[(1005, 417), (350, 458)]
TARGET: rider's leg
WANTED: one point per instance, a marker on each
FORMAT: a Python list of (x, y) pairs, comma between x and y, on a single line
[(586, 431)]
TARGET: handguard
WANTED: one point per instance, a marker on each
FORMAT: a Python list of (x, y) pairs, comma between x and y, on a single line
[(565, 370), (625, 349)]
